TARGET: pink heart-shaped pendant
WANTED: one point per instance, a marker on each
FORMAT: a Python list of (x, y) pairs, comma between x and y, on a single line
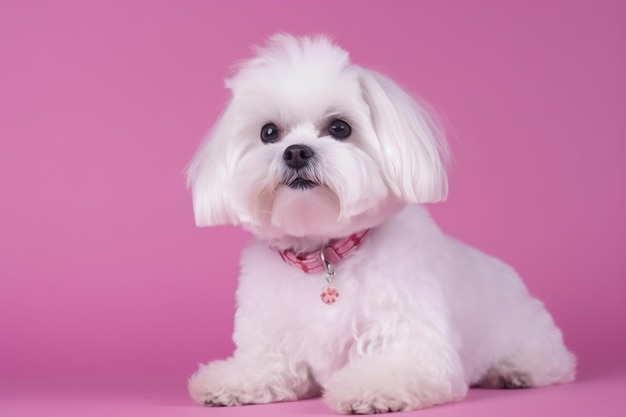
[(329, 294)]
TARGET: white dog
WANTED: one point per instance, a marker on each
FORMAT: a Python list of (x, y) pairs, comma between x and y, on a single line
[(350, 292)]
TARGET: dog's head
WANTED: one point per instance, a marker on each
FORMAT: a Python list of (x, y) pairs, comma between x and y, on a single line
[(314, 146)]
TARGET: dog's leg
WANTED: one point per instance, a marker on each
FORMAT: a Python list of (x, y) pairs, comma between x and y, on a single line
[(251, 378), (537, 355), (397, 380), (540, 363)]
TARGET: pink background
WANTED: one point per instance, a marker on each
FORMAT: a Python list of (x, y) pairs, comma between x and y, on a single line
[(103, 275)]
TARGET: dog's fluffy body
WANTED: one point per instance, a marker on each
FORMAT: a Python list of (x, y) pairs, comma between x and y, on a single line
[(421, 316)]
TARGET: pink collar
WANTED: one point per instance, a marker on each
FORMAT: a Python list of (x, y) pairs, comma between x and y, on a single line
[(312, 263)]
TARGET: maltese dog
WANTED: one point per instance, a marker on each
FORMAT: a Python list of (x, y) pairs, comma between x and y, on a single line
[(350, 290)]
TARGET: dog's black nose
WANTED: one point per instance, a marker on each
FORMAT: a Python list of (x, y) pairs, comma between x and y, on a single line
[(297, 156)]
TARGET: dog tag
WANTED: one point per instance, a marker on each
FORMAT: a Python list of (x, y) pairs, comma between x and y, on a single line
[(329, 294)]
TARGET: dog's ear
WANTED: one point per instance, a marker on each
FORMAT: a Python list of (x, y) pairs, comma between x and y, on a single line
[(209, 175), (412, 145)]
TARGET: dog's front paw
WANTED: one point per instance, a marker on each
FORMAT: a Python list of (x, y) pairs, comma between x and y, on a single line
[(361, 400), (215, 398), (228, 383), (206, 388), (238, 381), (372, 404), (383, 385)]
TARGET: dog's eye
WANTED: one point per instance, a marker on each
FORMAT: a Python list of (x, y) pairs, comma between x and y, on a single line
[(269, 133), (339, 129)]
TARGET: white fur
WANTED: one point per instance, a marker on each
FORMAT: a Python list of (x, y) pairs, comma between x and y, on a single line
[(421, 316)]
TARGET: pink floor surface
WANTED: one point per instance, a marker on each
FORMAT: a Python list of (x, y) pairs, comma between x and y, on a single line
[(600, 393)]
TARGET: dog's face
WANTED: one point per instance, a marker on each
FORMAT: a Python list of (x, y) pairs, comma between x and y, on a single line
[(313, 146)]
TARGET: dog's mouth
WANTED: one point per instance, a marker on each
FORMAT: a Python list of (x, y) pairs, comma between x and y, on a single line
[(300, 183), (301, 179)]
